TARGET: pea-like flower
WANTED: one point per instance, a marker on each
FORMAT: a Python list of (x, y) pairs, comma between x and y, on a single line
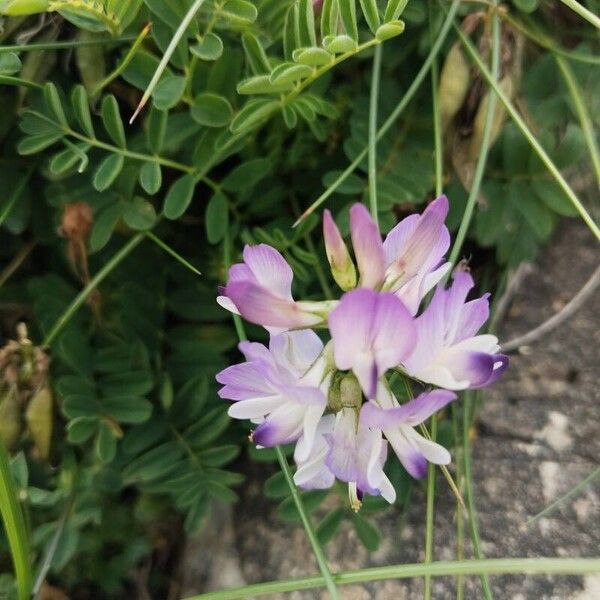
[(397, 423), (260, 289), (282, 388), (448, 352), (408, 263), (334, 401)]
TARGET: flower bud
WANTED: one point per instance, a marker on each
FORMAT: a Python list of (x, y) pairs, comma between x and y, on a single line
[(455, 81), (342, 267)]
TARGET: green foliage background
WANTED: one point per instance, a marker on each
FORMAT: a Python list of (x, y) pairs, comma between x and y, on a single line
[(260, 108)]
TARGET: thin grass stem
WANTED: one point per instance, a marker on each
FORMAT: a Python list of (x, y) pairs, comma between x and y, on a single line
[(587, 125), (566, 497), (473, 526), (171, 252), (373, 102), (583, 12), (310, 531)]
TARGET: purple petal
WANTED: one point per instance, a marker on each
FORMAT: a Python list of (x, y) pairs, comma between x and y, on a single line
[(371, 332), (258, 305), (296, 350), (408, 454), (368, 248), (282, 426), (246, 380), (418, 243), (500, 365), (476, 368), (472, 317), (270, 269), (412, 413)]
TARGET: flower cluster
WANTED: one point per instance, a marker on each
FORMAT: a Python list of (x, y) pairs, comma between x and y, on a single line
[(333, 400)]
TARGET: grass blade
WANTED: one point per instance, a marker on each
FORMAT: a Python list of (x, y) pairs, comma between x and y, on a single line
[(14, 525), (490, 566), (162, 65)]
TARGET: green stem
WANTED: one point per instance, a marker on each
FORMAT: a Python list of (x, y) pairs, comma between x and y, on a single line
[(587, 125), (19, 82), (126, 60), (588, 15), (486, 141), (460, 521), (548, 43), (493, 566), (439, 182), (170, 251), (430, 514), (14, 526), (129, 153), (474, 529), (408, 96), (90, 287), (376, 75), (310, 532), (12, 199), (529, 136), (67, 45)]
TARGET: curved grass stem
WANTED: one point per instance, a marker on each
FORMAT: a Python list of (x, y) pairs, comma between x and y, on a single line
[(490, 566)]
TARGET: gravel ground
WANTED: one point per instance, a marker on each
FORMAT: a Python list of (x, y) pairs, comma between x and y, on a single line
[(538, 436)]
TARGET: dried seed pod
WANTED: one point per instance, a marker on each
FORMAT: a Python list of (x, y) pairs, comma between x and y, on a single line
[(455, 80), (39, 421), (10, 417)]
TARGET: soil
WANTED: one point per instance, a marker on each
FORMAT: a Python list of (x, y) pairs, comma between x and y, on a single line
[(538, 435)]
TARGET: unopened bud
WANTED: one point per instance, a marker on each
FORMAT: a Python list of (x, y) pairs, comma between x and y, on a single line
[(342, 267)]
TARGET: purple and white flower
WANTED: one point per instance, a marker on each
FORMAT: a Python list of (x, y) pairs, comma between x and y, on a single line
[(448, 352), (397, 422), (371, 332), (357, 455), (260, 289), (408, 263), (281, 388)]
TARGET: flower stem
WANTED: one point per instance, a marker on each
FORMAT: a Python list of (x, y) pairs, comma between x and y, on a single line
[(310, 531), (475, 539)]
